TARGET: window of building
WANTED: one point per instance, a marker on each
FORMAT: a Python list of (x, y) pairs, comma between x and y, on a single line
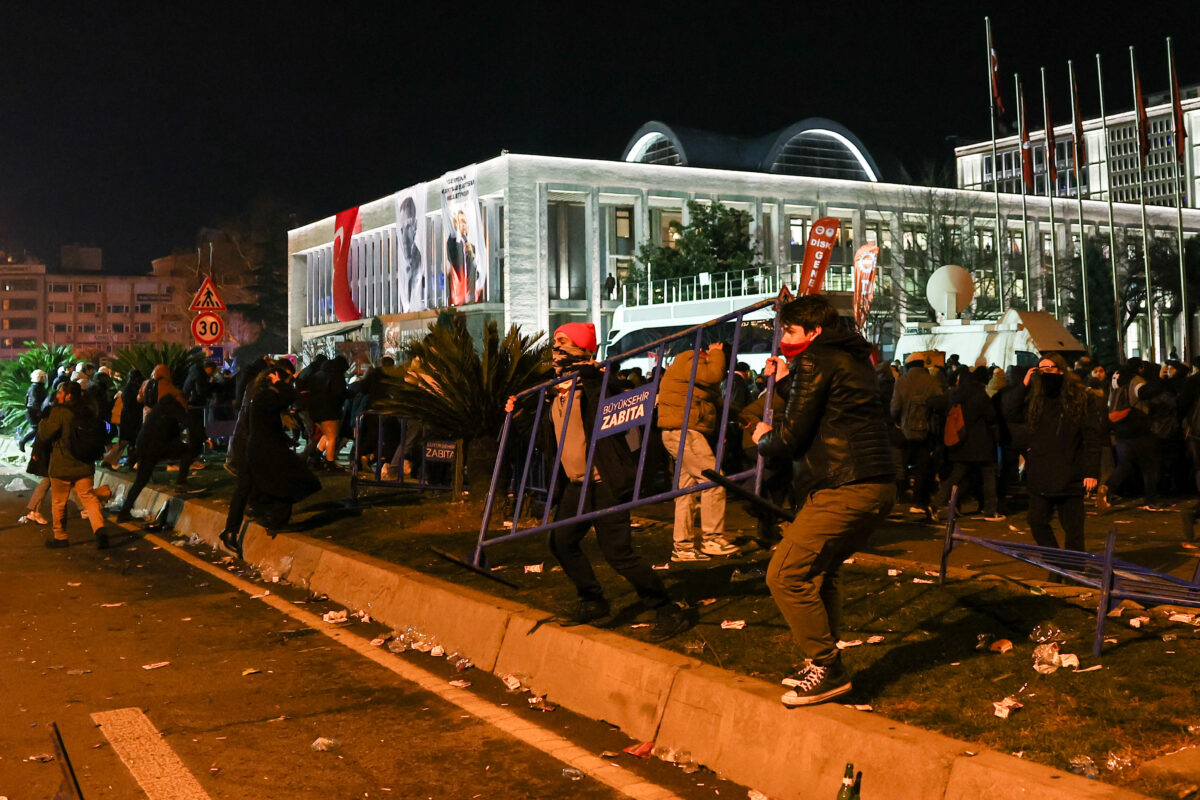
[(60, 288), (18, 323), (20, 285), (61, 327), (18, 304), (618, 236), (567, 242), (143, 327), (87, 327), (89, 308), (665, 226), (118, 327), (797, 238), (89, 288), (118, 308), (143, 308)]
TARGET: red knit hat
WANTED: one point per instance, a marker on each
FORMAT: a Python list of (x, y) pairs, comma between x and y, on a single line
[(583, 334)]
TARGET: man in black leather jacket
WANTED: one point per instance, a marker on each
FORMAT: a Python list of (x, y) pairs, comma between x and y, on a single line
[(833, 423)]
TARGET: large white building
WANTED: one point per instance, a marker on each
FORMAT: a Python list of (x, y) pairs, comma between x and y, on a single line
[(557, 228)]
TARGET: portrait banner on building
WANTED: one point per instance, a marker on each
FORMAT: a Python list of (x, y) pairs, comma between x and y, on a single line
[(866, 260), (413, 270), (817, 251), (465, 257), (345, 225)]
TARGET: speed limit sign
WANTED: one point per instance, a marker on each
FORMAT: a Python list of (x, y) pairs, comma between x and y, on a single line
[(208, 328)]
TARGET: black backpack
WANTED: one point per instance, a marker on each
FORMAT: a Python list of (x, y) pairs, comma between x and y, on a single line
[(89, 437)]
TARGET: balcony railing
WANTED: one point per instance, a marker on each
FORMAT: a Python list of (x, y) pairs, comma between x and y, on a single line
[(739, 283)]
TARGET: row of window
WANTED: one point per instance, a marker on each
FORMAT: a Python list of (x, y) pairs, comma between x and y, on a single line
[(94, 308), (20, 284), (115, 327), (85, 288), (18, 304), (19, 324)]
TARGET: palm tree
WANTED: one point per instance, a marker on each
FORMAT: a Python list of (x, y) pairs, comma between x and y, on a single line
[(460, 392), (146, 356), (14, 378)]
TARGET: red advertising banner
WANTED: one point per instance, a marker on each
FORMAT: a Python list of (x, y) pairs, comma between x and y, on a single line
[(866, 259), (346, 224), (817, 250)]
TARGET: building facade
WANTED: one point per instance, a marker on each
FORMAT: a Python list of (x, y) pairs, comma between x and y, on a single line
[(22, 306), (558, 228)]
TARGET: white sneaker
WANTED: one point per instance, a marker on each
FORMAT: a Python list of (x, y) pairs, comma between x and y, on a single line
[(718, 546), (691, 554)]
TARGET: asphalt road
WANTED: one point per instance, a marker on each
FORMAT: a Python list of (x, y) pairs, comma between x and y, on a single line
[(247, 688)]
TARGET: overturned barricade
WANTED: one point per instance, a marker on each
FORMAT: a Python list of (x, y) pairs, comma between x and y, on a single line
[(620, 411), (404, 456)]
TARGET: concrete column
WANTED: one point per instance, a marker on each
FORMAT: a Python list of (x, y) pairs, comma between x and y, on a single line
[(297, 299), (526, 297), (597, 266), (899, 294)]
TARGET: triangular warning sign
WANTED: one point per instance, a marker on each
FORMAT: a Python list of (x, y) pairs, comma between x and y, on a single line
[(206, 298)]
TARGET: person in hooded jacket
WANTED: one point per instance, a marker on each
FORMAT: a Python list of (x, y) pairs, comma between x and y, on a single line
[(273, 476), (835, 424), (35, 397), (1066, 435), (569, 419), (67, 473), (975, 452), (327, 394)]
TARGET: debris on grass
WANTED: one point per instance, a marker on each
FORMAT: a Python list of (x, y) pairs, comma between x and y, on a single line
[(1001, 646), (336, 617), (1138, 622), (539, 703), (513, 682), (322, 744), (661, 566), (437, 651), (843, 644), (984, 640), (463, 664), (460, 683), (534, 568), (1007, 706), (251, 671), (1190, 619), (1083, 765), (708, 601), (1117, 761), (572, 773), (876, 639), (892, 573), (1046, 632), (156, 665), (733, 624)]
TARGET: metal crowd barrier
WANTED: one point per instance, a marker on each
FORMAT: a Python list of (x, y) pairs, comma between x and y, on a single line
[(430, 452), (618, 414)]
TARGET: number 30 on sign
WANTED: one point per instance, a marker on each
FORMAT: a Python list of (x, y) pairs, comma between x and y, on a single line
[(208, 328)]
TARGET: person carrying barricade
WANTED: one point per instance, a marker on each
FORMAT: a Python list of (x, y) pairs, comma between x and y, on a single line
[(834, 423), (703, 417), (571, 418)]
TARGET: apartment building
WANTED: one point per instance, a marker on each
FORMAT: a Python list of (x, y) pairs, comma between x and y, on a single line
[(22, 306)]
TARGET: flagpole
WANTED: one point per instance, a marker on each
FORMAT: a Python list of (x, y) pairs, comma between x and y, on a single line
[(1021, 122), (1112, 228), (1185, 351), (1077, 127), (1051, 180), (999, 236), (1137, 104)]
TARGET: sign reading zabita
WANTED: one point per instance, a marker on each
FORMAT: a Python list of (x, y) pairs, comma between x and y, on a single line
[(624, 411)]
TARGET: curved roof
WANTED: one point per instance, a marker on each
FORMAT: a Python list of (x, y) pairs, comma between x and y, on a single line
[(814, 147)]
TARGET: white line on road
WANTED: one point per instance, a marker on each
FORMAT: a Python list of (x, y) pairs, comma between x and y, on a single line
[(548, 742), (149, 759)]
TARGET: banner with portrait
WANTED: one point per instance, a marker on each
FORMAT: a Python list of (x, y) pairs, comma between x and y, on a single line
[(413, 269), (465, 256)]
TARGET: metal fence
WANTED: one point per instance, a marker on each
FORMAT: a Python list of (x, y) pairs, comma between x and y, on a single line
[(616, 414), (434, 463)]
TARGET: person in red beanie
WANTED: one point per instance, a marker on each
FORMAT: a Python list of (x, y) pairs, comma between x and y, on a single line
[(613, 469)]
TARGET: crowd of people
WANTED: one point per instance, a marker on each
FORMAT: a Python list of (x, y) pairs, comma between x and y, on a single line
[(851, 439)]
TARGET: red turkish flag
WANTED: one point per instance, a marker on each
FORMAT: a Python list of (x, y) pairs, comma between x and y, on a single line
[(1143, 120), (817, 252), (1079, 145), (1026, 148), (995, 62), (865, 261), (345, 224), (1051, 149), (1177, 113)]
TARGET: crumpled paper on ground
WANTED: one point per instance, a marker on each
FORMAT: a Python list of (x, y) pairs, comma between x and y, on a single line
[(1006, 706), (16, 485)]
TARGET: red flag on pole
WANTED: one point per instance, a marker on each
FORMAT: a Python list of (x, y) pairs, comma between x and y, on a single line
[(995, 72), (1026, 148), (346, 224), (865, 261), (817, 251), (1143, 122), (1079, 146), (1177, 113)]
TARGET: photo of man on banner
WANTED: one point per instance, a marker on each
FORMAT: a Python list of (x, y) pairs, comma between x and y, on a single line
[(410, 234), (465, 257)]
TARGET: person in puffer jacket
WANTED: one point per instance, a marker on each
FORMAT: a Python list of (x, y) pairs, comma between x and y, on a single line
[(703, 417)]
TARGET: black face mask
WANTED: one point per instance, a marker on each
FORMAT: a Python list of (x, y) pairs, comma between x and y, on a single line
[(568, 358), (1052, 383)]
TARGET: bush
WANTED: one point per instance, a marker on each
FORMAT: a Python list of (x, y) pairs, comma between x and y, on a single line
[(14, 378)]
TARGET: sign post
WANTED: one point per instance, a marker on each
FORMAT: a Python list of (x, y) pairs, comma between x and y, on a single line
[(207, 328)]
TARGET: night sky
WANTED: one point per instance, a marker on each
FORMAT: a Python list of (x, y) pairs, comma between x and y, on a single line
[(133, 130)]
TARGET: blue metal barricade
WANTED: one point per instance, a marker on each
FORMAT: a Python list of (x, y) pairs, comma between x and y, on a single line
[(424, 474), (618, 414)]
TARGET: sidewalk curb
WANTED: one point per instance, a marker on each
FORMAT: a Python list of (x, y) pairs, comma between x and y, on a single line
[(732, 724)]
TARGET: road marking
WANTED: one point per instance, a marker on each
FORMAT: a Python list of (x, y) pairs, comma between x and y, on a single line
[(148, 757), (542, 739)]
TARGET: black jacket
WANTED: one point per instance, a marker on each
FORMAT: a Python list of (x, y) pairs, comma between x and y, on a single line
[(276, 470), (834, 421), (165, 424), (34, 398), (977, 442), (1063, 449)]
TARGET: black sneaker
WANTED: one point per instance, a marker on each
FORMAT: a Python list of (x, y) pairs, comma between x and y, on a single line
[(124, 516), (229, 539), (587, 612), (101, 540), (670, 620), (55, 544), (816, 683)]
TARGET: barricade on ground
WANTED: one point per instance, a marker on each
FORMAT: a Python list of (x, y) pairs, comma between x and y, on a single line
[(1115, 579), (629, 412), (437, 466)]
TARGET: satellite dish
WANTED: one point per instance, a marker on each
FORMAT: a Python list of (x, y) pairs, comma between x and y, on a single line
[(950, 290)]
